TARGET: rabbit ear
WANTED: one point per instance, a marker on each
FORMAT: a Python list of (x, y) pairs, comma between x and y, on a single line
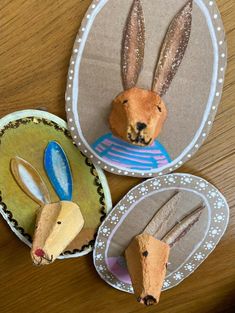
[(183, 227), (173, 49), (58, 170), (133, 46), (30, 181)]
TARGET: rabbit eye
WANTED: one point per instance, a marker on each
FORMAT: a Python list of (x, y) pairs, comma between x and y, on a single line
[(59, 222), (125, 102), (159, 108)]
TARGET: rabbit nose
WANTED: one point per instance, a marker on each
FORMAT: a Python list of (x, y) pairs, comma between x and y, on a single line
[(140, 126), (39, 253)]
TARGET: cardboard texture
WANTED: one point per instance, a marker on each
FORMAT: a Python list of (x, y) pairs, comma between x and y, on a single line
[(147, 259), (138, 218), (105, 81), (134, 212), (192, 98), (26, 134)]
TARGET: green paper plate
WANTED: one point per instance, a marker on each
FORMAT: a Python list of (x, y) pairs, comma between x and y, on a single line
[(26, 134)]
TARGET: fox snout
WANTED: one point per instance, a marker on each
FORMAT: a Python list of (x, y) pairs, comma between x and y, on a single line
[(137, 116)]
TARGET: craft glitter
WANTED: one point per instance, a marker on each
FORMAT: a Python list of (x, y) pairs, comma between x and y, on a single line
[(133, 45), (173, 49)]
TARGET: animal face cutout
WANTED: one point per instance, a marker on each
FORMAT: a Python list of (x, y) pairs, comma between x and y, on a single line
[(57, 224), (138, 115)]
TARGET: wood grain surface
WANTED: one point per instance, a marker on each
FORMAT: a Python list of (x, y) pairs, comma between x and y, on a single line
[(36, 39)]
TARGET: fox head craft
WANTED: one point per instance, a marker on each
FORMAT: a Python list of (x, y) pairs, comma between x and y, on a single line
[(138, 115)]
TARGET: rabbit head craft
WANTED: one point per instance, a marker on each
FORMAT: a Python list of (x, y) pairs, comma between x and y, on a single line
[(57, 224), (138, 115)]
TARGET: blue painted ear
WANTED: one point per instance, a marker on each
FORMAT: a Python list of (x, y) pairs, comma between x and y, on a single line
[(58, 170)]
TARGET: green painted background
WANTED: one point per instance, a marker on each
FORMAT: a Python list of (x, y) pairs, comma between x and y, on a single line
[(28, 141)]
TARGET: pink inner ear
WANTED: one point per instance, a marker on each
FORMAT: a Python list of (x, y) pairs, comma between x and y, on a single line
[(39, 253)]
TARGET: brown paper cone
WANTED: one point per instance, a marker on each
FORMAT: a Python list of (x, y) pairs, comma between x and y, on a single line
[(147, 259), (57, 225)]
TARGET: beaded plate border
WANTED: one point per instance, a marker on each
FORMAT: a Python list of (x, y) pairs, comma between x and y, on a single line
[(217, 223), (16, 119), (216, 28)]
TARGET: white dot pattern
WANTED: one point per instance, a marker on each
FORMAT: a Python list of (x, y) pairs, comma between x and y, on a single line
[(217, 224), (218, 26)]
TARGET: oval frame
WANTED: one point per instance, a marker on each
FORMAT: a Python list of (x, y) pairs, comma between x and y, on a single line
[(215, 25), (6, 212), (217, 224)]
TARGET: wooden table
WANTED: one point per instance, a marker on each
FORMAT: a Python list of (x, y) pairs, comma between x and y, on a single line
[(36, 39)]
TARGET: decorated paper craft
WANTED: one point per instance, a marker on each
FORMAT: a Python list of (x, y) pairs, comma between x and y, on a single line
[(128, 156), (138, 115), (186, 80), (26, 134), (177, 213), (147, 254), (57, 223), (58, 170)]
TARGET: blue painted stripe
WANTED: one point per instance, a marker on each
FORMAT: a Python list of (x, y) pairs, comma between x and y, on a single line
[(128, 162), (101, 140), (123, 156), (140, 158), (126, 152), (101, 143)]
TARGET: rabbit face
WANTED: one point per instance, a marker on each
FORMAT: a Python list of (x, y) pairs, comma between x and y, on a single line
[(57, 223), (138, 116)]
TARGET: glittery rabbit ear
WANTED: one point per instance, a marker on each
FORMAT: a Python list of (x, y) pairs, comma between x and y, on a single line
[(133, 46), (30, 181), (158, 225), (173, 49), (183, 227)]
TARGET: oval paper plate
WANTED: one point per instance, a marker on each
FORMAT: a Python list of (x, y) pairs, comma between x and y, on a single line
[(94, 80), (133, 213), (26, 134)]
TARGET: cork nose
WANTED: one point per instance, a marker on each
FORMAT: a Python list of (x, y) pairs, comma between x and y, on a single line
[(140, 126)]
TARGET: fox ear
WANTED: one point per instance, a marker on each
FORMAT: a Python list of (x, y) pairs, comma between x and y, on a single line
[(133, 46), (173, 49), (30, 181)]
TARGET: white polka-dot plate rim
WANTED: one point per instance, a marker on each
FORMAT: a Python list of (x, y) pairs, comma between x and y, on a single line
[(217, 221), (215, 24)]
